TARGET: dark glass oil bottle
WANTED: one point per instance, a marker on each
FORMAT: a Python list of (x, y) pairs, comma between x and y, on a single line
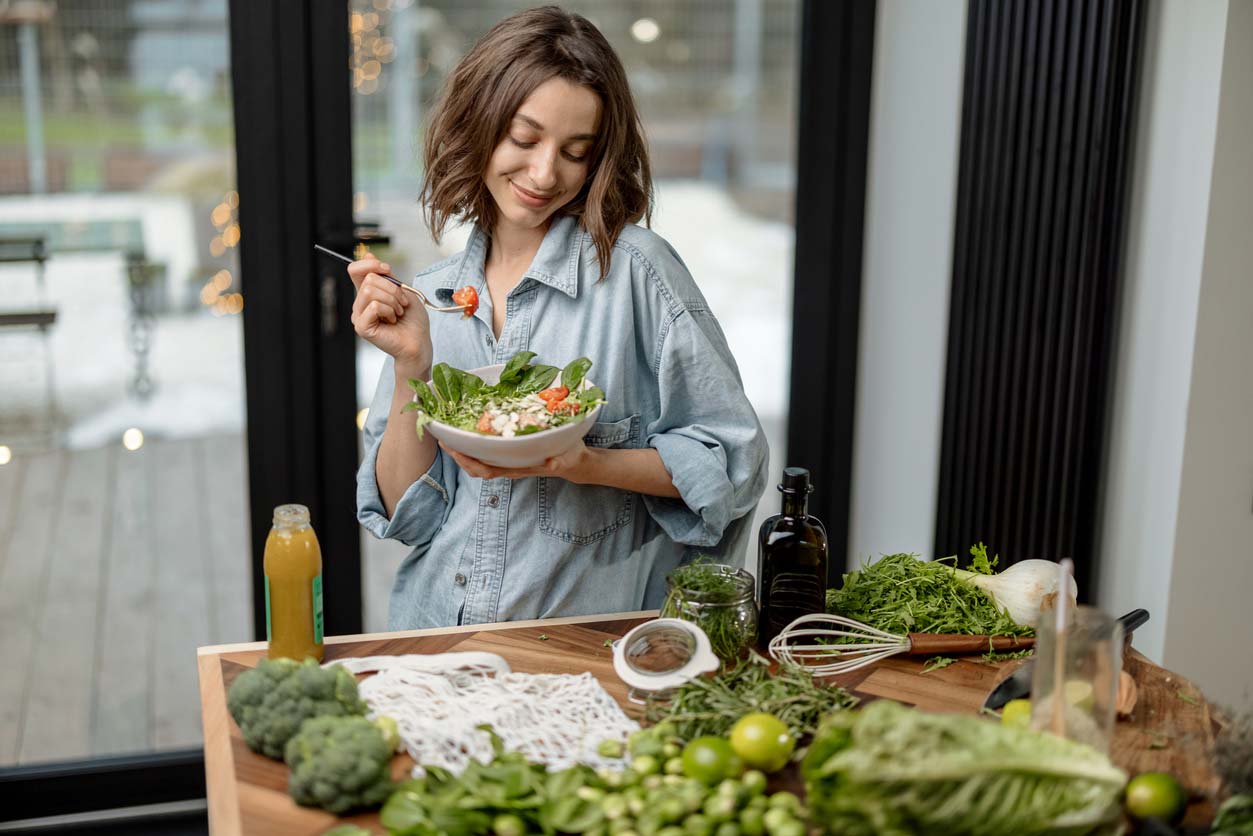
[(791, 559)]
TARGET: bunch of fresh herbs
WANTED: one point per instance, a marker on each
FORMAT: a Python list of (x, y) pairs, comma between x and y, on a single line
[(711, 705), (718, 599), (903, 594)]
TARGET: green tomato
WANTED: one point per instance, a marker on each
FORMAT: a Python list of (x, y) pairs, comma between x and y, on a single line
[(609, 748), (728, 828), (672, 830), (708, 759), (1155, 795), (784, 800), (763, 741), (671, 750), (673, 766)]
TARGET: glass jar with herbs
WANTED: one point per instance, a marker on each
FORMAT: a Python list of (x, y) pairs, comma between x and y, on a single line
[(718, 599)]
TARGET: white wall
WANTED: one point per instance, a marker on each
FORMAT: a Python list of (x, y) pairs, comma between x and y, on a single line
[(1211, 581), (1170, 197), (910, 203)]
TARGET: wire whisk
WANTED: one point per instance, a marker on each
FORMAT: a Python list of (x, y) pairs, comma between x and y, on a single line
[(850, 645)]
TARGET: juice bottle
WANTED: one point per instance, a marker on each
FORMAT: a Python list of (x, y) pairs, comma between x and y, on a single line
[(791, 559), (293, 586)]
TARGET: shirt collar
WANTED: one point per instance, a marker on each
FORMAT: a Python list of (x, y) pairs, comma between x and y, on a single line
[(556, 264)]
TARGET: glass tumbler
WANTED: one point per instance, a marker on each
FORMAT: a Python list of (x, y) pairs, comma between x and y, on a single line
[(1074, 682)]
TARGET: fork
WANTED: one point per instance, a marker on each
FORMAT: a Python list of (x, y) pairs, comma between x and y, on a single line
[(399, 283)]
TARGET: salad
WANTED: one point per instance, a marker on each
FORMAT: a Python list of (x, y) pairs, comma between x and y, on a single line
[(529, 397)]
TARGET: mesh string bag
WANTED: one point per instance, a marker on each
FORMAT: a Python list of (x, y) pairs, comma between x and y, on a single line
[(439, 700)]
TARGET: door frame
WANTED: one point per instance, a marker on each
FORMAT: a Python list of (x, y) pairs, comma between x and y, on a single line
[(293, 144)]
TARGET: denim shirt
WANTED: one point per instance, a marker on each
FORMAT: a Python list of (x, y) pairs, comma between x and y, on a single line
[(501, 549)]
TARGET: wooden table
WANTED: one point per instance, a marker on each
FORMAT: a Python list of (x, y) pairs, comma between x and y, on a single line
[(1171, 729)]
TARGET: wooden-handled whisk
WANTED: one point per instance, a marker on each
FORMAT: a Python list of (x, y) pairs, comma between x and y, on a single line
[(851, 645)]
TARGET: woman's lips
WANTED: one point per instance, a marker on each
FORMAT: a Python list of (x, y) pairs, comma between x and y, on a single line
[(530, 198)]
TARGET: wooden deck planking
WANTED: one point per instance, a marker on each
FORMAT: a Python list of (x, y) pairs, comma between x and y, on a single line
[(58, 712), (225, 496), (123, 681), (23, 581), (180, 612)]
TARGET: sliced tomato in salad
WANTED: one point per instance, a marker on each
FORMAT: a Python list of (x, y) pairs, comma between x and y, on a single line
[(553, 393), (469, 297), (564, 407)]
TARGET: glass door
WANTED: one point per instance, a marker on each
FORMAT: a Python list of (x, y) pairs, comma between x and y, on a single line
[(123, 463)]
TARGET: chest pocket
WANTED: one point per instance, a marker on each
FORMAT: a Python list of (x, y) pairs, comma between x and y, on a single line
[(584, 514)]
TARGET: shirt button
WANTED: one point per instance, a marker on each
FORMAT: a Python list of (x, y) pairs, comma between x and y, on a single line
[(493, 500), (460, 579)]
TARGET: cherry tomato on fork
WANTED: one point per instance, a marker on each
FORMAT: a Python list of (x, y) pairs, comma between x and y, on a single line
[(469, 297)]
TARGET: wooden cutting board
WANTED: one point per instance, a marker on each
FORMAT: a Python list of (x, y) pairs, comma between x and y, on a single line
[(1171, 730)]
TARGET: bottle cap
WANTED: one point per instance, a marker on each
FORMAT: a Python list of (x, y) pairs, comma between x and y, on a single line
[(795, 480)]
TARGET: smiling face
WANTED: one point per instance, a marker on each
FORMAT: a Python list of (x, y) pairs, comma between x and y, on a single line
[(544, 159)]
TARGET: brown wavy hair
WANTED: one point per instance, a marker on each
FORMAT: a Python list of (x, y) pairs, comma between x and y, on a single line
[(484, 92)]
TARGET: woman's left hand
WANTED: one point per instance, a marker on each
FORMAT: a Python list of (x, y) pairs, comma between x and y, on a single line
[(565, 466)]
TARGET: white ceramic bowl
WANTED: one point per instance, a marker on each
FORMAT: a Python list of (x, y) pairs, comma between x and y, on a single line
[(521, 450)]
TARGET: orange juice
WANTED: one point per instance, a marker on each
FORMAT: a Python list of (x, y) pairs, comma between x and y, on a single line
[(293, 586)]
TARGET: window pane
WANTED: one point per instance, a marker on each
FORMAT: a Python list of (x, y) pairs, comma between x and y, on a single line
[(715, 83), (123, 527)]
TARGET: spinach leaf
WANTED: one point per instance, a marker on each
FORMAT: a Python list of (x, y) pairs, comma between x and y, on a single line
[(574, 372), (590, 396), (447, 382), (470, 383), (537, 378), (426, 398), (512, 373)]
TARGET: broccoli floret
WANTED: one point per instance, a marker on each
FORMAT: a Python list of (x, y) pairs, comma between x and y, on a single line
[(339, 764), (270, 701)]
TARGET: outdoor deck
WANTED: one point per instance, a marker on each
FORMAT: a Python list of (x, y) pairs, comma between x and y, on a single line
[(114, 567)]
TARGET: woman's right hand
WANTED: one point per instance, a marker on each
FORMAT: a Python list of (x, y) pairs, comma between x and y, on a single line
[(390, 317)]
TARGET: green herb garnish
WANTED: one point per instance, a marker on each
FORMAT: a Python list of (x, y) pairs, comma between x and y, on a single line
[(711, 705), (992, 657), (937, 662), (902, 594), (716, 598)]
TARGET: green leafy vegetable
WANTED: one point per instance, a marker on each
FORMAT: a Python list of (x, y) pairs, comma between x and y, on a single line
[(1235, 817), (339, 764), (711, 705), (574, 372), (902, 594), (270, 701), (888, 770), (718, 599)]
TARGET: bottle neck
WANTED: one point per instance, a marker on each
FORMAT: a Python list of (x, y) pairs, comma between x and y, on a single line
[(794, 504)]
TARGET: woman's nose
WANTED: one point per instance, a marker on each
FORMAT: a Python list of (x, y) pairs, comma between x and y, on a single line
[(544, 169)]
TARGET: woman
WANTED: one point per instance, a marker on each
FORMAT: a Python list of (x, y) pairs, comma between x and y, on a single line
[(536, 141)]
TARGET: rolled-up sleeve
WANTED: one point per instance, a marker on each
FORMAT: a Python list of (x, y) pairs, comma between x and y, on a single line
[(425, 504), (707, 433)]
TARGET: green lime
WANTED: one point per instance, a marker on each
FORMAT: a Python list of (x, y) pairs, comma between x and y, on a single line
[(1079, 693), (1017, 714), (1155, 795), (708, 759), (763, 741)]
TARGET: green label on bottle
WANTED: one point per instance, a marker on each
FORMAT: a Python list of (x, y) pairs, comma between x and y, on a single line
[(268, 631), (317, 609)]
